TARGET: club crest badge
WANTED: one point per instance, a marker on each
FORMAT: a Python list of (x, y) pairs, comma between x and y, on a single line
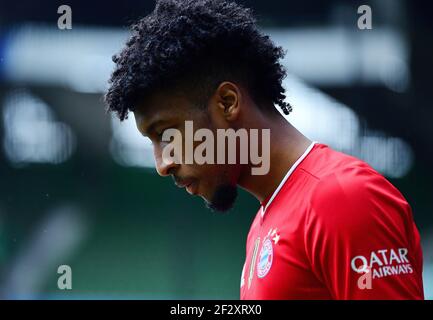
[(266, 254), (265, 258)]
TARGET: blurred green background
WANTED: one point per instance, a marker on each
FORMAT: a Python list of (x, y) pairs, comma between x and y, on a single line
[(79, 188), (141, 237)]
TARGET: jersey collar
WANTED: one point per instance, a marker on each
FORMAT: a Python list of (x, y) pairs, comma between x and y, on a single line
[(267, 202)]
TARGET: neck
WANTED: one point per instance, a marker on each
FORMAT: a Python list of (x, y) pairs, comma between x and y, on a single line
[(287, 144)]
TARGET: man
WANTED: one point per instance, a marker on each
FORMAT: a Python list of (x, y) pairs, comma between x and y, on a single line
[(329, 226)]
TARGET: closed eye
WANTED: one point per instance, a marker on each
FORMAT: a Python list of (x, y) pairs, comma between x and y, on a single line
[(159, 133)]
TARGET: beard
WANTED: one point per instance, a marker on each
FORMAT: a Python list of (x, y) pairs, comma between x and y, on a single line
[(223, 199)]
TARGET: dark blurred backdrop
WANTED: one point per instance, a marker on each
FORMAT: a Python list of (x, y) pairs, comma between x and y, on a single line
[(79, 188)]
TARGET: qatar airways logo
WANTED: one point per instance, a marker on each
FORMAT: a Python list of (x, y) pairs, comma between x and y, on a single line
[(381, 263)]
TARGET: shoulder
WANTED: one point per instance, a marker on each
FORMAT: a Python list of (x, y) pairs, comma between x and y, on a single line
[(346, 182), (354, 195)]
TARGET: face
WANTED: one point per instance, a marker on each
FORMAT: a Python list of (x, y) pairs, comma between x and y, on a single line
[(215, 183)]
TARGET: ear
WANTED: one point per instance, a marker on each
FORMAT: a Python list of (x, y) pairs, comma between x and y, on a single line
[(228, 99)]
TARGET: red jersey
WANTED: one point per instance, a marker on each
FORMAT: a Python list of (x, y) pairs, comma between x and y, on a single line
[(334, 229)]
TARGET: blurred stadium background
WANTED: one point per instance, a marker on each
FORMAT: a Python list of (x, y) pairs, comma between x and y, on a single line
[(78, 188)]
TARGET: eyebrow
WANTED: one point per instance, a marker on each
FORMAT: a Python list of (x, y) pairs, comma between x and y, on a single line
[(152, 126)]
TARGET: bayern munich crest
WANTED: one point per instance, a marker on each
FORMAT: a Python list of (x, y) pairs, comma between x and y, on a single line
[(265, 258)]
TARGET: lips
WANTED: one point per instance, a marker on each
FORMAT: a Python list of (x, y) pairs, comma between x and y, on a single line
[(183, 184), (189, 184), (192, 188)]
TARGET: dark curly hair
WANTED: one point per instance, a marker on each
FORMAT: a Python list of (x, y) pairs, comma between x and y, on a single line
[(195, 45)]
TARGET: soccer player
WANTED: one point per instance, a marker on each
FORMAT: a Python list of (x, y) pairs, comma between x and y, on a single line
[(329, 226)]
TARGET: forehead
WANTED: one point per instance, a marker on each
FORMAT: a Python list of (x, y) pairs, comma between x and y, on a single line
[(162, 107)]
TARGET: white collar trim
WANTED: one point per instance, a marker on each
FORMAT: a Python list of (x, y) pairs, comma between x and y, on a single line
[(288, 174)]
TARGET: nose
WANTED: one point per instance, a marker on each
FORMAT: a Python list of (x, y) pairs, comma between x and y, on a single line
[(164, 166)]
